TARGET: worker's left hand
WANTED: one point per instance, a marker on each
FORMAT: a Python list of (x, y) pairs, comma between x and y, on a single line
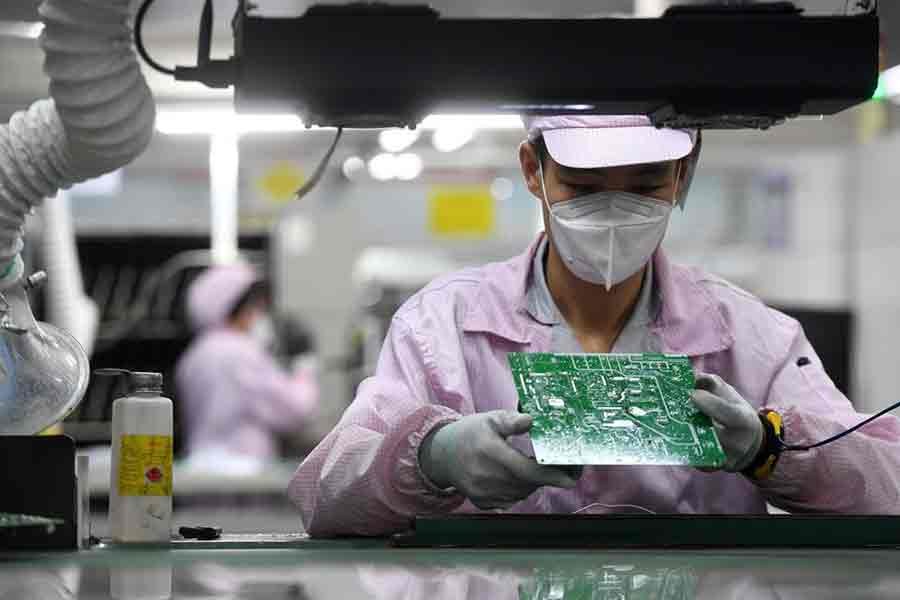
[(736, 421)]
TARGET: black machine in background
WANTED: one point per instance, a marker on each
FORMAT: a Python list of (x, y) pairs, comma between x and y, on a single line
[(139, 284)]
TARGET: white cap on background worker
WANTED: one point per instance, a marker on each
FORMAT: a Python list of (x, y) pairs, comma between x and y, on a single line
[(216, 292)]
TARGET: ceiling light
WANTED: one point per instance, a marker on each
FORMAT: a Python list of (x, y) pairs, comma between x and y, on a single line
[(210, 120), (382, 167), (493, 122), (185, 122), (889, 85), (26, 30), (397, 140), (353, 168), (452, 138), (408, 166), (107, 185)]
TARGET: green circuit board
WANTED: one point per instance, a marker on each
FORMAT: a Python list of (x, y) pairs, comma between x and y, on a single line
[(16, 521), (611, 582), (614, 409)]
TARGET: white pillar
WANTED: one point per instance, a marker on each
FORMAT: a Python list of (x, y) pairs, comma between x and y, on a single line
[(224, 162)]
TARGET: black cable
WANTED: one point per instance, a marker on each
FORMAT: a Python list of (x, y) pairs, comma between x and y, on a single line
[(867, 6), (320, 170), (139, 39), (204, 45), (299, 194), (834, 438)]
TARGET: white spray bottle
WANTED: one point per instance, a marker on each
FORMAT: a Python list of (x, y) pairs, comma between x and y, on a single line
[(140, 491)]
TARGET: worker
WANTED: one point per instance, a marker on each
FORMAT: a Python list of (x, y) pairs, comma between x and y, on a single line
[(436, 428), (237, 401)]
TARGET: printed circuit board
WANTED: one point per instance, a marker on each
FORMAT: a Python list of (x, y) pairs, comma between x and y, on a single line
[(614, 409)]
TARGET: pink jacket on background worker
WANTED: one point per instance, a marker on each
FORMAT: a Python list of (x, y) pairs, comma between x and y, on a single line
[(235, 398), (445, 356)]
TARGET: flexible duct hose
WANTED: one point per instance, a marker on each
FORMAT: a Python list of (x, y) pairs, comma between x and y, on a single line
[(100, 118)]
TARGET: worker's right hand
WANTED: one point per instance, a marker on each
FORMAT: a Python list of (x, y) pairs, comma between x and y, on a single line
[(473, 456)]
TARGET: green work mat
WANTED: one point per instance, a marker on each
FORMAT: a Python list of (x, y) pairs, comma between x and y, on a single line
[(651, 531), (614, 409)]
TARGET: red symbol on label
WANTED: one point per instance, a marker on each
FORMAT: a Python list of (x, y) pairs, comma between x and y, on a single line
[(153, 475)]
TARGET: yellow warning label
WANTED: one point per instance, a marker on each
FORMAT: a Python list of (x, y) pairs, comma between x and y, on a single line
[(461, 211), (145, 465)]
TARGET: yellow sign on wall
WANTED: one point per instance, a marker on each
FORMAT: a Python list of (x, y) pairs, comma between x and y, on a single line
[(281, 181), (462, 210)]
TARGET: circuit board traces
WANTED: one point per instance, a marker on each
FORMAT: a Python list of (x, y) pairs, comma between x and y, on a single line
[(614, 409)]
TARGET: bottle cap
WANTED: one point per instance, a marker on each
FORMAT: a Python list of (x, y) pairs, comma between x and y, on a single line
[(146, 382), (138, 381)]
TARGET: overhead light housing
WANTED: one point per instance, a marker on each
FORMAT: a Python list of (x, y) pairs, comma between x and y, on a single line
[(329, 65)]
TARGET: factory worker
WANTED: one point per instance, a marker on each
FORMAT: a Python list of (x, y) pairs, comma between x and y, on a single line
[(236, 399), (436, 430)]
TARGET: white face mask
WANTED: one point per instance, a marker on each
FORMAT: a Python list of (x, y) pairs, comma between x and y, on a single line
[(263, 331), (606, 237)]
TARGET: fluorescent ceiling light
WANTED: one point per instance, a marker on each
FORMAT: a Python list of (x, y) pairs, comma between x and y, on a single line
[(353, 167), (452, 138), (405, 167), (889, 85), (107, 185), (381, 167), (26, 30), (397, 140), (408, 166), (484, 122), (183, 122), (216, 120)]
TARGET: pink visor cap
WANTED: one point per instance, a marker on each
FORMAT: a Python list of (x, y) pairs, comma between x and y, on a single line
[(214, 294), (598, 141)]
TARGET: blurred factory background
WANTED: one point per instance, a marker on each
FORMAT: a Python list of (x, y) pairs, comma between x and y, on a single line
[(804, 216)]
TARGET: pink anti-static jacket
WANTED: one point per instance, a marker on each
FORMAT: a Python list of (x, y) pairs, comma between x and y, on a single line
[(445, 356), (237, 399)]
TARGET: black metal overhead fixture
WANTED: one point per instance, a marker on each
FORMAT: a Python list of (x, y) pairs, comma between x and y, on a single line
[(707, 66)]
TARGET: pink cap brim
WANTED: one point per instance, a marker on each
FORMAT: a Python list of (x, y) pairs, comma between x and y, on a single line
[(593, 148)]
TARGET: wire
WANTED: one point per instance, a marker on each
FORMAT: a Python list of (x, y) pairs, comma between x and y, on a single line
[(320, 170), (139, 39), (593, 504), (834, 438)]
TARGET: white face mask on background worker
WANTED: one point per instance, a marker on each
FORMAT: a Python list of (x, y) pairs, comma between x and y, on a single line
[(262, 329)]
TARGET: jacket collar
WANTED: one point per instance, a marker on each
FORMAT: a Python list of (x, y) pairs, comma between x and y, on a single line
[(690, 320), (503, 287)]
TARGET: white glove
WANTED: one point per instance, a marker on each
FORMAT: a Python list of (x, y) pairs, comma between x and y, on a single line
[(736, 421), (473, 456)]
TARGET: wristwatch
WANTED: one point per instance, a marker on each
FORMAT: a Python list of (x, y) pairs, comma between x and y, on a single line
[(773, 443)]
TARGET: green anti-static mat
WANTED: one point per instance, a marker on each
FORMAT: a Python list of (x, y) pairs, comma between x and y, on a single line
[(614, 409), (651, 531)]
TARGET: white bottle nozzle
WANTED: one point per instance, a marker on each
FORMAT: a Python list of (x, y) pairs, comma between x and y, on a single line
[(138, 381)]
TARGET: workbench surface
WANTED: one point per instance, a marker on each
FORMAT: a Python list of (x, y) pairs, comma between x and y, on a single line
[(292, 567)]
